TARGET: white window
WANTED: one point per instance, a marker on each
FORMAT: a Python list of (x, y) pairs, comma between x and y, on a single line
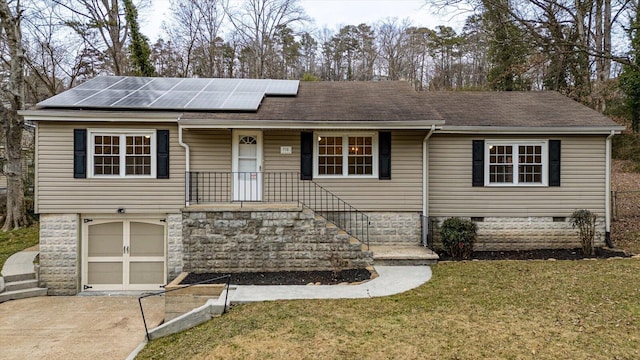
[(130, 153), (522, 163), (351, 155)]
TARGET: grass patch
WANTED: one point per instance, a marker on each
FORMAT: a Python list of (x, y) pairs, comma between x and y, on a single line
[(17, 240), (469, 310)]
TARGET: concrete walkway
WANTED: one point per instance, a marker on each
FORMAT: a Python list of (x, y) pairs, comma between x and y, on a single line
[(110, 327), (391, 280), (75, 327)]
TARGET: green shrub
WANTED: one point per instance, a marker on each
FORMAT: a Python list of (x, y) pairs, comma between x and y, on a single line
[(585, 221), (458, 236)]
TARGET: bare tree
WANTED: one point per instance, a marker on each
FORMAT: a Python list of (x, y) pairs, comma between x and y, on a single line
[(393, 47), (102, 28), (195, 30), (11, 101), (257, 21)]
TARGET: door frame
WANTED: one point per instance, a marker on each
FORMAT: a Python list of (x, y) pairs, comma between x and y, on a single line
[(235, 134), (126, 259)]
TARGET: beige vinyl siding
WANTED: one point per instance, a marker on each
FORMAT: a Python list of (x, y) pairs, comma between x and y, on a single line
[(402, 193), (451, 194), (59, 192), (210, 150), (276, 162)]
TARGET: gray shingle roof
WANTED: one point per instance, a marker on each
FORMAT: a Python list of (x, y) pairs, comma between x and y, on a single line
[(338, 101), (513, 109)]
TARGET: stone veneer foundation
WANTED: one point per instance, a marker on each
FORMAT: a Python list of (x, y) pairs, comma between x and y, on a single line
[(388, 228), (511, 233), (266, 240), (174, 245), (59, 253)]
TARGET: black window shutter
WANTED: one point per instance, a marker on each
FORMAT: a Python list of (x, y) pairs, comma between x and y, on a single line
[(478, 163), (79, 153), (162, 152), (384, 156), (554, 162), (306, 155)]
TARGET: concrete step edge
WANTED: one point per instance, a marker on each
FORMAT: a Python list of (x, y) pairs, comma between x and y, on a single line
[(22, 294), (404, 262), (20, 285), (19, 277)]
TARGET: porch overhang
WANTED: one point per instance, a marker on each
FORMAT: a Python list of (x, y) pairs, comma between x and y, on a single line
[(308, 124)]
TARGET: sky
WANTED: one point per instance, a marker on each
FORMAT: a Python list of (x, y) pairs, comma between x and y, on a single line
[(332, 14)]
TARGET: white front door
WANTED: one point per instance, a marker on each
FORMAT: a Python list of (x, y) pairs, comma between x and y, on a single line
[(247, 165), (123, 254)]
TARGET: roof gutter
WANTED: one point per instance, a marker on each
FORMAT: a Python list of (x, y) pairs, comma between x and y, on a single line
[(607, 194), (425, 187), (532, 130), (105, 116)]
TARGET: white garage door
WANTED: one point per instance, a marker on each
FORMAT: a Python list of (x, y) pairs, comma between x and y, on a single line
[(123, 255)]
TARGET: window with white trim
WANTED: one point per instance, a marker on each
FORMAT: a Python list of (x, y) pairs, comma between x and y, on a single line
[(122, 154), (346, 155), (516, 163)]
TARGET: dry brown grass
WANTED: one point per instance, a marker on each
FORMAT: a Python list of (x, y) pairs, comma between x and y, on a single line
[(469, 310)]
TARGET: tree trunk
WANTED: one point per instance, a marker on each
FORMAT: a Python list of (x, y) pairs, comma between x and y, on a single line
[(12, 100), (12, 133)]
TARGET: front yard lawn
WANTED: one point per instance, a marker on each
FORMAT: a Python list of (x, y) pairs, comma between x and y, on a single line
[(17, 240), (581, 309)]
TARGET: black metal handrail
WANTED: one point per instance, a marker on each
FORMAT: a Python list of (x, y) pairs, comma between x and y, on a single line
[(162, 292), (270, 187)]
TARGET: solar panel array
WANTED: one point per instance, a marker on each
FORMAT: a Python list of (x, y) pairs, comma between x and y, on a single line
[(121, 92)]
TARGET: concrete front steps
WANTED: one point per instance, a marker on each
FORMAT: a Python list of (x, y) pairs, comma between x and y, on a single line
[(403, 255), (19, 277)]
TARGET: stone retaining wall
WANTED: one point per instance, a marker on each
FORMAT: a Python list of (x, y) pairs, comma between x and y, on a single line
[(59, 237), (261, 240), (394, 228), (511, 233)]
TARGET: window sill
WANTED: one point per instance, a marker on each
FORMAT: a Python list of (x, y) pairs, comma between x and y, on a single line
[(515, 185), (101, 177), (345, 176)]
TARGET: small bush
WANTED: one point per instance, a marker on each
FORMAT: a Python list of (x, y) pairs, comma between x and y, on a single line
[(585, 221), (458, 236)]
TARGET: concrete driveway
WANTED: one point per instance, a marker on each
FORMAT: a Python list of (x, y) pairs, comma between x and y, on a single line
[(75, 327)]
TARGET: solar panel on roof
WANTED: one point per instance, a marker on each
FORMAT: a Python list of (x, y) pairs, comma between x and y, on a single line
[(103, 98), (253, 85), (119, 92), (222, 85), (173, 100), (163, 84), (242, 101), (283, 87), (100, 83), (139, 98), (130, 83), (192, 84), (70, 97), (208, 100)]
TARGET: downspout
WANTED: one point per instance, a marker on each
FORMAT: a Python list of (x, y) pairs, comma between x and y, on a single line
[(187, 168), (425, 185), (607, 195)]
